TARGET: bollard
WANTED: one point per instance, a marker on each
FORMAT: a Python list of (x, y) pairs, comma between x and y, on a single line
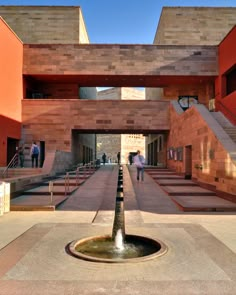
[(7, 190), (1, 198)]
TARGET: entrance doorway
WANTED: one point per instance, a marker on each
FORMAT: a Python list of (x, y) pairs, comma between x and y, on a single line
[(42, 152), (12, 145), (188, 162)]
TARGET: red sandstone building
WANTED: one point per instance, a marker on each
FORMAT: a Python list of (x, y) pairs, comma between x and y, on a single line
[(48, 79)]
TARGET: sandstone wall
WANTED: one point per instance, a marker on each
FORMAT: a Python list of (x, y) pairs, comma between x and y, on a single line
[(211, 148), (194, 25), (52, 120), (46, 24), (99, 59)]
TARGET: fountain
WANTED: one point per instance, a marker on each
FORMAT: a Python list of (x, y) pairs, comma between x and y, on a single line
[(118, 247)]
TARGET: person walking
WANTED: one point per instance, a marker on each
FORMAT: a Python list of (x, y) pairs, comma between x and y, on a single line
[(130, 159), (21, 156), (118, 158), (139, 162), (104, 158), (34, 152)]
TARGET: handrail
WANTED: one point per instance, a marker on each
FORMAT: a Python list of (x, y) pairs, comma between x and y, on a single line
[(231, 115), (77, 176), (12, 164), (86, 170), (67, 184)]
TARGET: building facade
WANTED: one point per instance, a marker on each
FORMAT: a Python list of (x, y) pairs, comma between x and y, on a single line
[(126, 144), (189, 115)]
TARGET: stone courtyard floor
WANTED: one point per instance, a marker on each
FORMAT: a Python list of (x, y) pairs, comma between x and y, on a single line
[(201, 245)]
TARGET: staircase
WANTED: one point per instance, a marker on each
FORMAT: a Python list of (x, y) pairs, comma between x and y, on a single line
[(51, 192), (229, 128), (231, 131), (189, 196)]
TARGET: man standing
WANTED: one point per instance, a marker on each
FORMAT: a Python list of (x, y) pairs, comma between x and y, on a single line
[(139, 161), (34, 152)]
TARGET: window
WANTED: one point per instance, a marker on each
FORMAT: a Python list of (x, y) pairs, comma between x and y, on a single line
[(231, 80)]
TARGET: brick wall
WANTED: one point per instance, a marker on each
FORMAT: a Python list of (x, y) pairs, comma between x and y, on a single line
[(52, 120), (204, 91), (194, 25), (45, 24), (99, 59)]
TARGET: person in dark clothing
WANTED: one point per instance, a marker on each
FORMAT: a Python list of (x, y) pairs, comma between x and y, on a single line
[(34, 152), (104, 158), (130, 159), (21, 156), (118, 158)]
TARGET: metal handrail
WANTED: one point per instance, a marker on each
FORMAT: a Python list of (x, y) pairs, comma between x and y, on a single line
[(86, 170), (229, 112), (77, 176), (67, 184), (12, 164)]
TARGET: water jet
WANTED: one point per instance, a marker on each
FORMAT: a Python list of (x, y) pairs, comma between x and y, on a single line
[(118, 247)]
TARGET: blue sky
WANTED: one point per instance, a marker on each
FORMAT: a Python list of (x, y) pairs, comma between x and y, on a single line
[(122, 21)]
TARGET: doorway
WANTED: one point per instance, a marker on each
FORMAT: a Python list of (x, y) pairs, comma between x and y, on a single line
[(12, 145), (42, 152), (188, 162)]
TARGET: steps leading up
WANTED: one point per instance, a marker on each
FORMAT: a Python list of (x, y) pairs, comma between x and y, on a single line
[(37, 203), (231, 131), (229, 128), (38, 196), (203, 203), (188, 195)]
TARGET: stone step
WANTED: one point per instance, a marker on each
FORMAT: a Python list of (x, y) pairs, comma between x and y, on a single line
[(187, 191), (36, 203), (203, 203), (18, 172), (174, 182), (61, 182), (44, 190), (166, 176)]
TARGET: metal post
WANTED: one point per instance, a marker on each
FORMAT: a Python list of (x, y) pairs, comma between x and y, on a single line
[(77, 176), (67, 183), (50, 187)]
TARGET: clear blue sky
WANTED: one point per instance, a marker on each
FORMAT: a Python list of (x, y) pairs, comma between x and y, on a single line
[(122, 21)]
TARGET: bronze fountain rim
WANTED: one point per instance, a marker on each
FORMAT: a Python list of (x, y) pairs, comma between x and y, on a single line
[(71, 248)]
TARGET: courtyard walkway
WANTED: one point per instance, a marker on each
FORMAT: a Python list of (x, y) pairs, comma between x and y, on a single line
[(201, 245)]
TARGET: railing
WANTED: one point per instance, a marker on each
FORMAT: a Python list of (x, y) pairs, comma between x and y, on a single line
[(67, 183), (228, 113), (83, 171), (12, 164)]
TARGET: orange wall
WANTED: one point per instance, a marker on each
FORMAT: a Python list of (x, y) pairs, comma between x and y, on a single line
[(11, 62), (227, 52), (227, 59)]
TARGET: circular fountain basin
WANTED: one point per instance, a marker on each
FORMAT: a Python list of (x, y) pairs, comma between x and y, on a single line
[(102, 249)]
